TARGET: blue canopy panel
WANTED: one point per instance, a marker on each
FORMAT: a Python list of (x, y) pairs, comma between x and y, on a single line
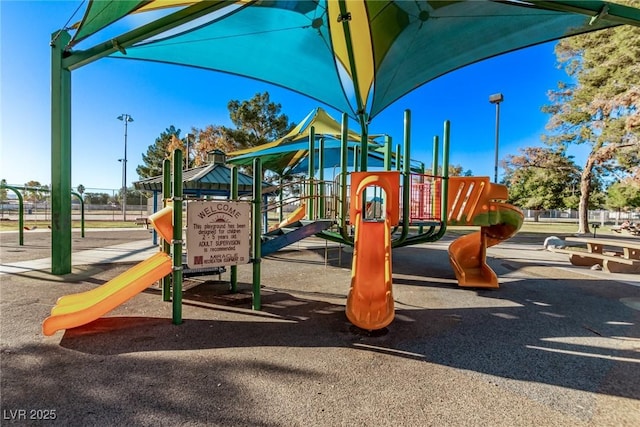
[(289, 48)]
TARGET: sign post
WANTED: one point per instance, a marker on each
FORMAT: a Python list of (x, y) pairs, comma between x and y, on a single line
[(218, 234)]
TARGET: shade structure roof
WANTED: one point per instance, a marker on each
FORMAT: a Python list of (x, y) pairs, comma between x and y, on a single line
[(209, 180), (357, 56), (289, 154)]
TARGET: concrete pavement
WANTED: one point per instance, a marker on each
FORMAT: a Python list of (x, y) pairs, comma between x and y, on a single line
[(555, 345)]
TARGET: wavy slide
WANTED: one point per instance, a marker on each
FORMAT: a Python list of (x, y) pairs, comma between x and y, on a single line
[(498, 222), (370, 300), (79, 309), (370, 303)]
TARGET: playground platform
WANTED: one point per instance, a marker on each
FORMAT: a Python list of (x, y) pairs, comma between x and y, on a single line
[(556, 345)]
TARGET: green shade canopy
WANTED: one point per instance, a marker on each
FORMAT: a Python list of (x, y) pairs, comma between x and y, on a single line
[(357, 56)]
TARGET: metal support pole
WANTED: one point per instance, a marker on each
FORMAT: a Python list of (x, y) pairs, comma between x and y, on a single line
[(387, 152), (126, 118), (344, 164), (321, 208), (177, 237), (445, 174), (311, 172), (495, 170), (233, 282), (406, 182), (496, 98), (256, 240), (60, 156), (166, 246)]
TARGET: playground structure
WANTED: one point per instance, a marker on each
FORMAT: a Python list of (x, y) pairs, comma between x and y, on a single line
[(373, 211), (21, 223)]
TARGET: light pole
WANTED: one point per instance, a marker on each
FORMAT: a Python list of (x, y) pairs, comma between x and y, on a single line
[(126, 119), (496, 98)]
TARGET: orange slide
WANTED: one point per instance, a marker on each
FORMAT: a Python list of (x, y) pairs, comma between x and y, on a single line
[(474, 201), (370, 301), (79, 309)]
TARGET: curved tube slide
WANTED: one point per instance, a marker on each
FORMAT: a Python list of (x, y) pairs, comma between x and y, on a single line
[(468, 254)]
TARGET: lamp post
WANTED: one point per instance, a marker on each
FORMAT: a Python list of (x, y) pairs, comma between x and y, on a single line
[(126, 118), (496, 98)]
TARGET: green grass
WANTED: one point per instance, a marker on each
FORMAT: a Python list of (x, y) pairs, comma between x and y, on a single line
[(13, 225)]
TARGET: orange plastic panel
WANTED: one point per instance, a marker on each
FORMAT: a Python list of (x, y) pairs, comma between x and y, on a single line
[(389, 181), (162, 221)]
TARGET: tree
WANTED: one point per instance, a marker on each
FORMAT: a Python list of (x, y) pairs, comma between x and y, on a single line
[(540, 179), (601, 107), (624, 195), (257, 121), (80, 189), (156, 154), (213, 137), (35, 191)]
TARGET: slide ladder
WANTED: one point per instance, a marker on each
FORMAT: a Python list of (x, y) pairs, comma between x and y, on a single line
[(79, 309), (474, 201)]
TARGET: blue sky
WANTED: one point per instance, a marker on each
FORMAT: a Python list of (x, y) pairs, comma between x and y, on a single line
[(159, 95)]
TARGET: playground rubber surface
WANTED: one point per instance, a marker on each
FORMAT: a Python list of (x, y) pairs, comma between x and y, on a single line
[(556, 345)]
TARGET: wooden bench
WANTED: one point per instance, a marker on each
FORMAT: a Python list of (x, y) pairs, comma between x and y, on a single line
[(142, 221), (621, 256)]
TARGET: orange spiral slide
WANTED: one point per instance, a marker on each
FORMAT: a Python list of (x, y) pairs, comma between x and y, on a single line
[(79, 309), (477, 202)]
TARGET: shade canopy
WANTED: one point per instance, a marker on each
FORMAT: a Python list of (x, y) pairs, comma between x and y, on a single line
[(289, 154), (357, 56)]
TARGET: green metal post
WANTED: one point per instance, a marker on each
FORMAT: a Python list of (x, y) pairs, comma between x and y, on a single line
[(445, 173), (177, 236), (364, 142), (60, 157), (344, 164), (398, 157), (81, 212), (406, 179), (356, 159), (434, 168), (20, 212), (387, 152), (233, 282), (281, 201), (434, 165), (256, 240), (311, 172), (166, 246), (321, 156)]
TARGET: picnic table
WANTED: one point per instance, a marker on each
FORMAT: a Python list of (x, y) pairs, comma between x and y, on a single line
[(615, 256)]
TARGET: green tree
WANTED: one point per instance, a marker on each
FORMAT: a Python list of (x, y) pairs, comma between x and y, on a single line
[(156, 153), (257, 121), (623, 195), (540, 179), (600, 107), (34, 191)]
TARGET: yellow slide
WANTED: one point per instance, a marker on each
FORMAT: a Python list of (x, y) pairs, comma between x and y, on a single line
[(296, 215), (474, 201), (79, 309)]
